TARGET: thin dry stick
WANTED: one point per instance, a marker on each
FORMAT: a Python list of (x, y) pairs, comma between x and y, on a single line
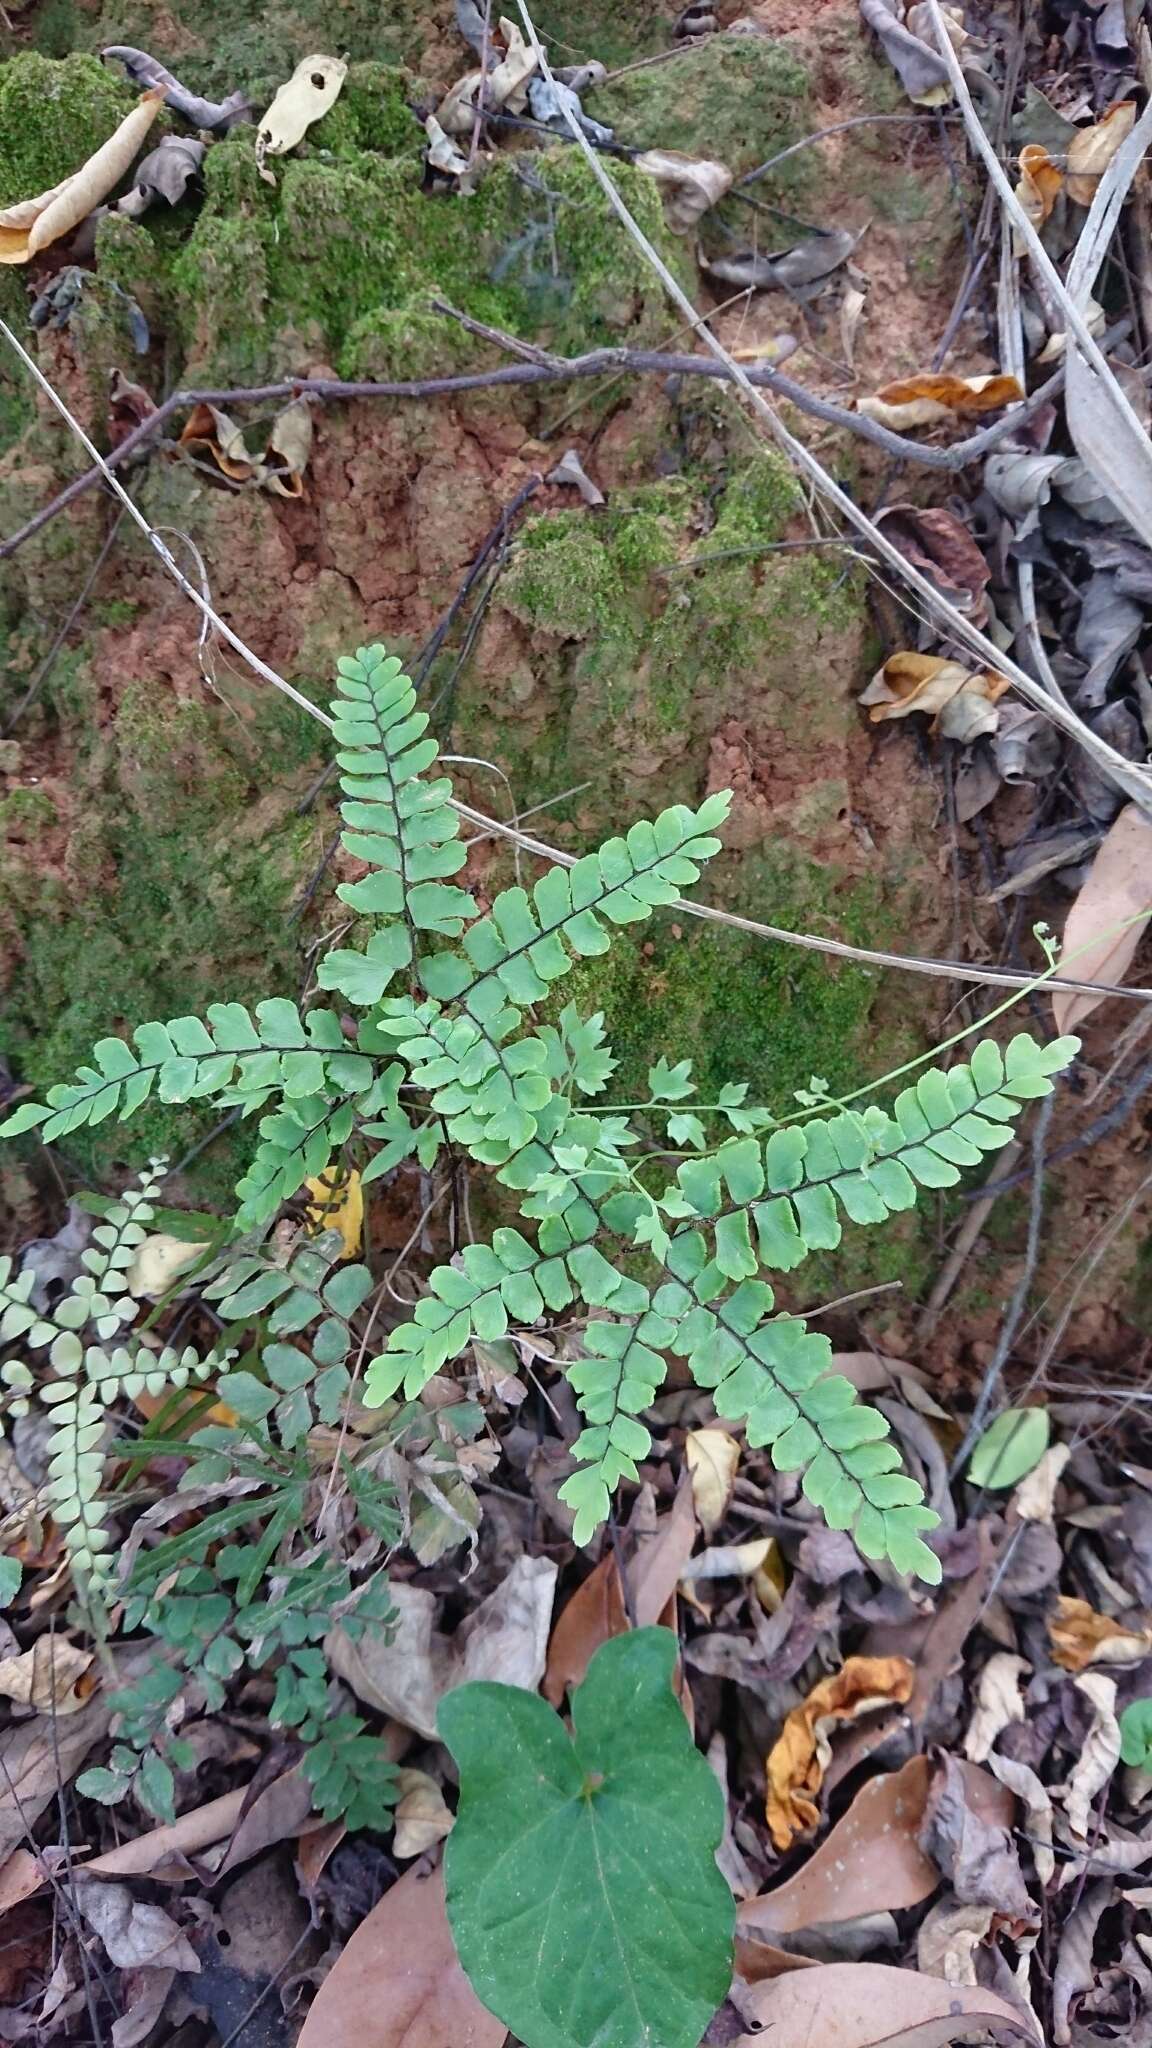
[(1136, 783), (536, 368), (947, 970)]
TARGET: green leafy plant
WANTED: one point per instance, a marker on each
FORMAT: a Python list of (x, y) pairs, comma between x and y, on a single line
[(89, 1369), (1010, 1447), (457, 1058), (1136, 1734), (583, 1891)]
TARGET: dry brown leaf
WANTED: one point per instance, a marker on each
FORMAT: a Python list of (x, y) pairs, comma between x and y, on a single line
[(48, 1676), (287, 455), (941, 547), (800, 1756), (136, 1936), (1099, 1754), (871, 2005), (962, 700), (1023, 1781), (688, 185), (1091, 150), (1118, 892), (407, 1676), (1041, 182), (506, 86), (920, 401), (398, 1984), (36, 1758), (596, 1610), (998, 1702), (871, 1860), (731, 1560), (422, 1818), (712, 1456), (33, 224), (313, 87), (1080, 1637)]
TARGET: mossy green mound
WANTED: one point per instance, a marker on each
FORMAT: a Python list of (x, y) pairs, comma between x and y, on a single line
[(737, 98)]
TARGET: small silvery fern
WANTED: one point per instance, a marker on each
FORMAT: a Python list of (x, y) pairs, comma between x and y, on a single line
[(456, 1056), (90, 1369)]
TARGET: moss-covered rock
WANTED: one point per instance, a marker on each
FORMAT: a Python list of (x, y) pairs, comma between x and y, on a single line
[(52, 117)]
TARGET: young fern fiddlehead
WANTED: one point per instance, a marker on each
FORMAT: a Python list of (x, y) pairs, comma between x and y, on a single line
[(504, 1088)]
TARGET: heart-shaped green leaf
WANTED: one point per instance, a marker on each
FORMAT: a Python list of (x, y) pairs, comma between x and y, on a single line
[(583, 1891)]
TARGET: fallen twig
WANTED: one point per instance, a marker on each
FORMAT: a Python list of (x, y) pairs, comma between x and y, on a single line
[(547, 370)]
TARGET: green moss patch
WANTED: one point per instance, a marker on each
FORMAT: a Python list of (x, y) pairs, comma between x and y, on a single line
[(734, 97)]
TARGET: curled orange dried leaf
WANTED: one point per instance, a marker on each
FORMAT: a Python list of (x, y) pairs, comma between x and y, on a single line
[(1040, 183), (802, 1752)]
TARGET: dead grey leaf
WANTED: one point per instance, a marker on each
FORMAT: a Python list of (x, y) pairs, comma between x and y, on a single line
[(551, 100), (1099, 1755), (1047, 854), (147, 1995), (1021, 1779), (135, 1935), (1026, 747), (145, 70), (570, 470), (1021, 483), (808, 263), (1073, 1972), (948, 1938), (975, 1854), (688, 185), (1035, 1498), (290, 442), (998, 1701), (470, 22), (506, 1638), (443, 154), (919, 67), (851, 312), (1108, 629), (1106, 922), (977, 782), (740, 1879), (56, 1260), (164, 174)]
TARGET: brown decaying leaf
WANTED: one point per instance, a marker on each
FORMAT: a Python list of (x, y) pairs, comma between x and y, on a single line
[(920, 401), (937, 543), (800, 1756), (406, 1677), (975, 1854), (871, 2005), (963, 701), (34, 224), (1074, 1972), (49, 1676), (1040, 184), (1118, 891), (1091, 150), (1080, 1637), (397, 1983), (36, 1758), (1023, 1781), (871, 1860), (596, 1610)]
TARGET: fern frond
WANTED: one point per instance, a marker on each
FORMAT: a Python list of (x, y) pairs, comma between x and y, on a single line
[(88, 1376), (869, 1166), (397, 820), (231, 1054), (527, 941)]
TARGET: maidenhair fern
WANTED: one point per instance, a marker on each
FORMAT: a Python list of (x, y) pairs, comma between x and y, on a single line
[(89, 1370), (447, 1050)]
